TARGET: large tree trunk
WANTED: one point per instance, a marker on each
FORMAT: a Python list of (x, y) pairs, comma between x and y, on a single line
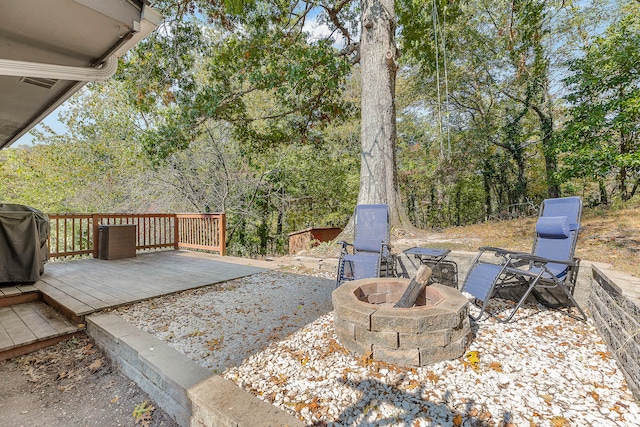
[(548, 145), (378, 54)]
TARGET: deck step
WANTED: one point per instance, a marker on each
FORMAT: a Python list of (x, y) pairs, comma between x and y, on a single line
[(18, 294), (29, 326)]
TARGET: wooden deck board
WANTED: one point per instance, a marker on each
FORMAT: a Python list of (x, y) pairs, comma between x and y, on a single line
[(30, 326), (36, 324), (62, 298), (5, 340), (58, 322), (15, 328), (10, 291), (86, 292), (71, 294), (89, 285)]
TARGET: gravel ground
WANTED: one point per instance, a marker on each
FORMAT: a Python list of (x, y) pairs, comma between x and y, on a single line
[(272, 334), (220, 325)]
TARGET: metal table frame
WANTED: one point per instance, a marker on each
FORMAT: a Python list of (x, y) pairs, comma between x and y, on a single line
[(443, 271)]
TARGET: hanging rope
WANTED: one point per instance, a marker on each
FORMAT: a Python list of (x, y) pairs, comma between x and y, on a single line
[(446, 79), (441, 38), (434, 14)]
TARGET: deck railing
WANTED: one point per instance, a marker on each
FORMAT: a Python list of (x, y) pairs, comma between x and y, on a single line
[(78, 234)]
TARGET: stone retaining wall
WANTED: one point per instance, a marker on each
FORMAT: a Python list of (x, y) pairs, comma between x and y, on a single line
[(614, 305), (186, 391), (162, 372)]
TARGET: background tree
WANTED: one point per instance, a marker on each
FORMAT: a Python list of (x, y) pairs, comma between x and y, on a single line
[(603, 135), (217, 113)]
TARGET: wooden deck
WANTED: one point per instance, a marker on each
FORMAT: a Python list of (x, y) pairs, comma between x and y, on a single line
[(80, 287)]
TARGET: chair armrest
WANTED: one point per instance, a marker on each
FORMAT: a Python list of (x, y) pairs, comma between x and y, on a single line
[(344, 247), (499, 251), (541, 260)]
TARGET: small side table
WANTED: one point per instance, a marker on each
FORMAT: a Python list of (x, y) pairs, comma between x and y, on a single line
[(443, 271)]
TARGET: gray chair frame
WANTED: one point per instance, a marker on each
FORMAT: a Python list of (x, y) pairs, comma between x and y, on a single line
[(370, 253), (533, 270)]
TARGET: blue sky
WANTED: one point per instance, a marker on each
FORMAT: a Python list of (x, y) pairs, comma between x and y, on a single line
[(51, 120)]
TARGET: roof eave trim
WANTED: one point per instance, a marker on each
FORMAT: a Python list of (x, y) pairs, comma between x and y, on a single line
[(107, 69)]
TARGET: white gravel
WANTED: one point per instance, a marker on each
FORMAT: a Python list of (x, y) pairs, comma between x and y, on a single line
[(544, 369), (220, 325)]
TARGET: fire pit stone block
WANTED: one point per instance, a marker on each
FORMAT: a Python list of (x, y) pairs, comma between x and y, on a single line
[(436, 329)]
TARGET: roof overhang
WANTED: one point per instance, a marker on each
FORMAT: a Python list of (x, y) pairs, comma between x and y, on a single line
[(50, 49)]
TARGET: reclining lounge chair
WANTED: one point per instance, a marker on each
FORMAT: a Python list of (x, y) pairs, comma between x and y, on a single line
[(551, 264), (370, 254)]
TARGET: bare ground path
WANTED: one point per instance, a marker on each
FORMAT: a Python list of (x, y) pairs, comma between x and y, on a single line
[(72, 384)]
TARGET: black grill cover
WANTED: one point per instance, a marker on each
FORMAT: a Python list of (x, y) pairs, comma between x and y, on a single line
[(24, 232)]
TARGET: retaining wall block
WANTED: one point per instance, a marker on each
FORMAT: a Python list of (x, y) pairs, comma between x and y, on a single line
[(344, 329), (352, 312), (409, 357), (618, 320), (357, 347), (434, 338), (454, 350), (387, 339)]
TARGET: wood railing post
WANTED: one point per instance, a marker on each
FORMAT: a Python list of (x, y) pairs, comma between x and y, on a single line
[(96, 234), (223, 234), (176, 232)]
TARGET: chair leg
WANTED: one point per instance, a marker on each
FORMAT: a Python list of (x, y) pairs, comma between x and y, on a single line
[(518, 305), (566, 289), (340, 274), (482, 311), (559, 284)]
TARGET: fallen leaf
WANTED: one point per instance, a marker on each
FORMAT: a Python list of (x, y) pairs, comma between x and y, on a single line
[(559, 422), (88, 349), (413, 384), (67, 374), (33, 377), (367, 359), (67, 387), (433, 377), (457, 420), (95, 365), (473, 359), (496, 366)]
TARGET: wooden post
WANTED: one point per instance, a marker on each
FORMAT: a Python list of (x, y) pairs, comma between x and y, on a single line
[(176, 232), (96, 234), (223, 234), (408, 299)]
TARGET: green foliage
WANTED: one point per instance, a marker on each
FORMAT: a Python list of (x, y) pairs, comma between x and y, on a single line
[(601, 138), (231, 107), (259, 56), (142, 413)]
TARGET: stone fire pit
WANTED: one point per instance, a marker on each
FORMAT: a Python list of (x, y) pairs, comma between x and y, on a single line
[(437, 328)]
